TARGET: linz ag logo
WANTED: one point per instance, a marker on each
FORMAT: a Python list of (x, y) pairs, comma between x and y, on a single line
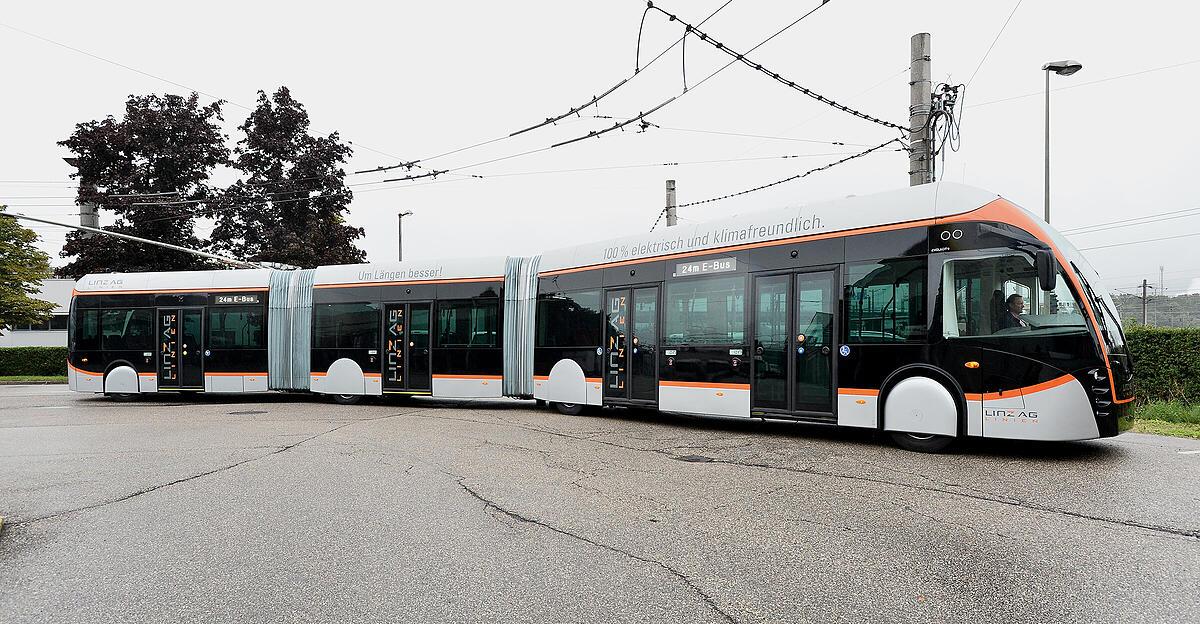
[(1009, 413)]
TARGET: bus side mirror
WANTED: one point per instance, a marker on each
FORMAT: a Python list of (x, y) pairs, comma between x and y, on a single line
[(1047, 269)]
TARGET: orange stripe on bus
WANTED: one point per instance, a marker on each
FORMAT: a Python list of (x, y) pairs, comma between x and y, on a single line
[(468, 377), (459, 280), (207, 374), (704, 384), (592, 379), (165, 290), (147, 374), (1045, 385), (858, 391), (542, 377), (85, 372)]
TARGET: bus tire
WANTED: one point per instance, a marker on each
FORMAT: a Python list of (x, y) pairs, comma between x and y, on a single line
[(347, 399), (569, 409), (922, 442), (123, 397)]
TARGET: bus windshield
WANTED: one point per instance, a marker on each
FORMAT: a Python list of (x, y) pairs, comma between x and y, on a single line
[(1001, 295), (1106, 316)]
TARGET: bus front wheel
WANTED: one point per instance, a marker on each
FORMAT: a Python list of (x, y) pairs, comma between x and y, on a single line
[(922, 442)]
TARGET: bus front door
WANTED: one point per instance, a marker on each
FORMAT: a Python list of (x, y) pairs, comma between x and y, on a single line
[(180, 357), (631, 346), (406, 348), (794, 345)]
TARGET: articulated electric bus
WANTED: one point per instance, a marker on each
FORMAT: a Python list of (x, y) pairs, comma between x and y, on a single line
[(928, 313)]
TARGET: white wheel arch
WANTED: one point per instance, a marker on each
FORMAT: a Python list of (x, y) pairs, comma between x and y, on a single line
[(920, 405), (121, 380)]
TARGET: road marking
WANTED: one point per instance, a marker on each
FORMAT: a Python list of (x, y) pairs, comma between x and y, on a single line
[(1189, 452)]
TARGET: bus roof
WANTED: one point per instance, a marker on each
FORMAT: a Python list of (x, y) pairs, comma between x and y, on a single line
[(879, 209)]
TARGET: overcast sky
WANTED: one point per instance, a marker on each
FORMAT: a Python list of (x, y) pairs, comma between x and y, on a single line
[(407, 80)]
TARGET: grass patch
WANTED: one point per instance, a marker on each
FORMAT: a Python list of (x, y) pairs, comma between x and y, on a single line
[(34, 378), (1170, 418), (1169, 411), (1162, 427)]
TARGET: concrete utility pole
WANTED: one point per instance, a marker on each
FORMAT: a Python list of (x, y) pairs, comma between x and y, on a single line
[(672, 216), (920, 103), (1145, 299), (400, 234)]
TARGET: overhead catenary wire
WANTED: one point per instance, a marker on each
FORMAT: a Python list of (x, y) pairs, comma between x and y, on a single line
[(778, 182), (162, 79), (1144, 240), (1132, 222), (994, 40), (742, 58), (1076, 85)]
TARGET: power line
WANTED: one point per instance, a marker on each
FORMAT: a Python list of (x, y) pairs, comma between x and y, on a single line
[(762, 136), (1191, 212), (551, 120), (741, 57), (989, 50), (1144, 240), (161, 79), (1076, 85), (1156, 214), (778, 182)]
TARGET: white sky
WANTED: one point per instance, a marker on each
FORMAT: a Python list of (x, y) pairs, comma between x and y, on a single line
[(418, 79)]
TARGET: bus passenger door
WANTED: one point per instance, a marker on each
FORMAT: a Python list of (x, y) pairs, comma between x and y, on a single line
[(180, 360), (419, 370), (616, 353), (395, 322), (643, 361), (815, 343)]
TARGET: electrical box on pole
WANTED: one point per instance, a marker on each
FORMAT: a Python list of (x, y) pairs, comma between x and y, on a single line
[(920, 135)]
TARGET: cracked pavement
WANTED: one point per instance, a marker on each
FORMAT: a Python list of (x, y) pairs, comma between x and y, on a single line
[(287, 508)]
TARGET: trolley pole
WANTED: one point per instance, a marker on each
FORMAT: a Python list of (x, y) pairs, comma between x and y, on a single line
[(920, 87), (672, 216)]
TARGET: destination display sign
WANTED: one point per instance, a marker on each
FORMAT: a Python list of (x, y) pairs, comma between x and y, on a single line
[(235, 299), (704, 267)]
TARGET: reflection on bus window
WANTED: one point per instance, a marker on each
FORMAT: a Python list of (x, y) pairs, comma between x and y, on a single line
[(886, 301), (470, 323), (569, 319), (706, 311), (236, 328), (84, 331), (346, 326), (124, 329), (1001, 295)]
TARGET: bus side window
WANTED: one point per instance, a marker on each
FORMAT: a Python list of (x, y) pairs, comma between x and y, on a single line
[(85, 330), (467, 323), (885, 301), (570, 319)]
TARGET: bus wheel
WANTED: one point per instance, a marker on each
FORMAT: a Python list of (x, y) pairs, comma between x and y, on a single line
[(922, 442), (123, 397), (570, 409), (347, 399)]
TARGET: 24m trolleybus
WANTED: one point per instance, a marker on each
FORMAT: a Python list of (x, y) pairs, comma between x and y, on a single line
[(928, 313)]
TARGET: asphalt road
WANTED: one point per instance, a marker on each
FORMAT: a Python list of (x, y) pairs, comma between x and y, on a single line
[(284, 509)]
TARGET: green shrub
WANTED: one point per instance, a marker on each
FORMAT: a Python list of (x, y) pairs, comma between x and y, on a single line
[(1166, 363), (33, 361)]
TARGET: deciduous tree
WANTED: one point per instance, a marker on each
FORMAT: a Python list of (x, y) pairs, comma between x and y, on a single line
[(162, 151), (290, 205), (22, 268)]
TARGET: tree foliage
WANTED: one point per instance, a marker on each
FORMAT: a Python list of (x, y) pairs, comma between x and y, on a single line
[(289, 206), (22, 267), (165, 145)]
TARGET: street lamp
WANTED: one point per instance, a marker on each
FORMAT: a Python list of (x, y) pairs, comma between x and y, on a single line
[(1062, 68), (400, 234)]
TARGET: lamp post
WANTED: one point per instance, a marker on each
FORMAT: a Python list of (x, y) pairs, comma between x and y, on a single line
[(400, 234), (1062, 68)]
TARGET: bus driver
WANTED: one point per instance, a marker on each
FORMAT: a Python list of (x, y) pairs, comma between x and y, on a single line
[(1015, 305)]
